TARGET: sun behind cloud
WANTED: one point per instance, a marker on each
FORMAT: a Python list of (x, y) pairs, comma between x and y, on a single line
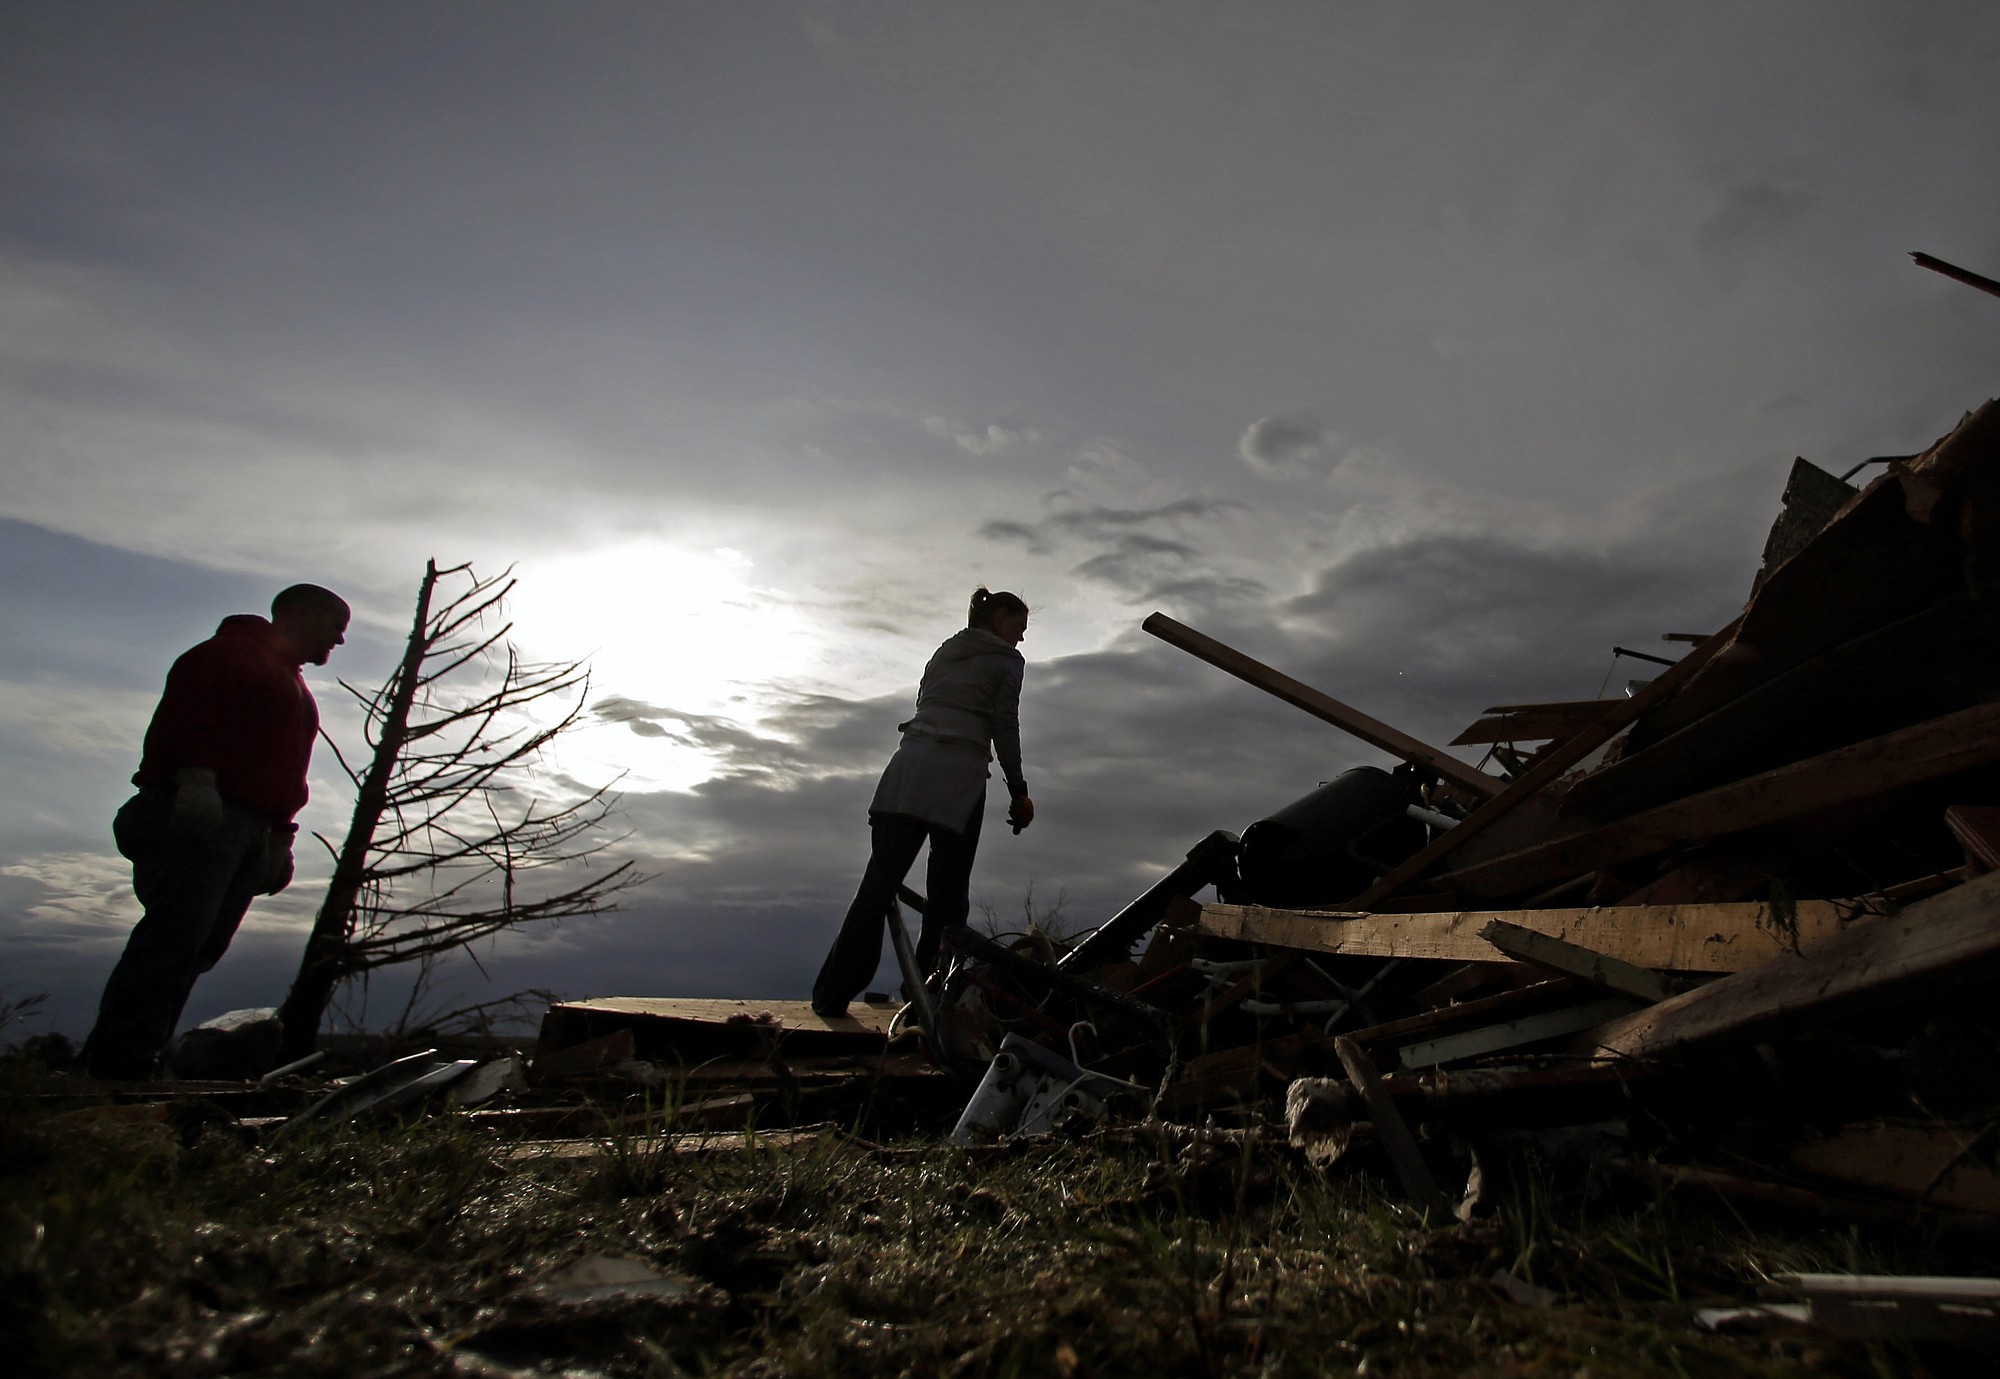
[(678, 627)]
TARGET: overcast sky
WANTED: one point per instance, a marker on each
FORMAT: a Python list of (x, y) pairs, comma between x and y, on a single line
[(1426, 351)]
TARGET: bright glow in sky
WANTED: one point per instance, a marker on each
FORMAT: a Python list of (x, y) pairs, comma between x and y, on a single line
[(677, 629)]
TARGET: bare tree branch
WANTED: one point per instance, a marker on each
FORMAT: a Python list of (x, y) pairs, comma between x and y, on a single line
[(446, 844)]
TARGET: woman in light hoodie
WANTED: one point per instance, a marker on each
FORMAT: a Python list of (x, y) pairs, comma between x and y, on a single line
[(968, 712)]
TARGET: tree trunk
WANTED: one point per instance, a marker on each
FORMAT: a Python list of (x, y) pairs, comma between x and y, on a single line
[(326, 960)]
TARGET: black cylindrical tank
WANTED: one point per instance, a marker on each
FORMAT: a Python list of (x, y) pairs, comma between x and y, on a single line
[(1326, 847)]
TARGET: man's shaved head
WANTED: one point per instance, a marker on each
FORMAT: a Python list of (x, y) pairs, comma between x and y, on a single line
[(308, 598)]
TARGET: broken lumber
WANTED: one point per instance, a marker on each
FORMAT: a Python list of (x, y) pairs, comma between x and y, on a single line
[(1942, 941), (1910, 756), (1575, 960), (1411, 1170), (1551, 764), (1675, 938), (1324, 707), (1938, 1165)]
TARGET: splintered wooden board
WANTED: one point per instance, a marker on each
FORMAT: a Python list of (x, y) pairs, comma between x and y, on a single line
[(1678, 938), (790, 1017)]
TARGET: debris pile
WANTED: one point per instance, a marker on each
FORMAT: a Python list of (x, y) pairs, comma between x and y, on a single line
[(1736, 920)]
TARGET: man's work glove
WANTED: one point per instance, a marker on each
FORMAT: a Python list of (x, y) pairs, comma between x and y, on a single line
[(277, 861), (1021, 812), (197, 804)]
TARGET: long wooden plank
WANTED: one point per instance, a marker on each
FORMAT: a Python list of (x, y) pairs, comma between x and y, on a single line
[(1947, 939), (1910, 756), (1678, 938), (1552, 763), (1325, 707)]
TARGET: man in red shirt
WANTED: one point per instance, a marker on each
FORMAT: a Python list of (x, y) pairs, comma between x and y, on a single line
[(221, 778)]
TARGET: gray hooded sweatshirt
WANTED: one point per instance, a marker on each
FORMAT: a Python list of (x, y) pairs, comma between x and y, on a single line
[(970, 697)]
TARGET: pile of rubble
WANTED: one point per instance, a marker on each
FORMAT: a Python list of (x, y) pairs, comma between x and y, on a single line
[(1738, 920)]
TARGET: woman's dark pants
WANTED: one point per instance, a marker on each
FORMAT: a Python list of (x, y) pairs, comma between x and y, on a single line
[(195, 892), (894, 840)]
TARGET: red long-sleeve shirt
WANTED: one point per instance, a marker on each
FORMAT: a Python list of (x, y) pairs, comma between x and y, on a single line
[(236, 705)]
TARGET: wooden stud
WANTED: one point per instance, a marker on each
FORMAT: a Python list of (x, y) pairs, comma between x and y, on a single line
[(1394, 1132)]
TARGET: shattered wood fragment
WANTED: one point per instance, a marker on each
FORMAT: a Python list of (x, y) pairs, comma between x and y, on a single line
[(1671, 938), (1811, 499), (1534, 722), (1325, 707), (1560, 955), (1513, 1034), (1912, 756), (1411, 1170), (1547, 768), (1936, 1164), (1921, 952)]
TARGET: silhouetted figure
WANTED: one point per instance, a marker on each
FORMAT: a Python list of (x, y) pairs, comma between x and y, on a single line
[(221, 778), (935, 788)]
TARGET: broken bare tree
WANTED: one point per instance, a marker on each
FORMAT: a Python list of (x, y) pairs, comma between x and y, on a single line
[(445, 847)]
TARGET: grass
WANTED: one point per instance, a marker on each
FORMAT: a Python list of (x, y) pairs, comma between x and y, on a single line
[(135, 1247)]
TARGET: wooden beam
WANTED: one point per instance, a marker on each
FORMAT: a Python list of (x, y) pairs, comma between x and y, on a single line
[(1673, 938), (1431, 1204), (1325, 707), (1955, 273), (1534, 722), (1945, 940), (1910, 756), (1551, 764), (1575, 960)]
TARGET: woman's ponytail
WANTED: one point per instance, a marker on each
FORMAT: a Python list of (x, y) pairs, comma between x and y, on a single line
[(985, 605)]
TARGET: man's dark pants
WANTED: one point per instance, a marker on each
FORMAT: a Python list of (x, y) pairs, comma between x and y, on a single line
[(894, 841), (195, 892)]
